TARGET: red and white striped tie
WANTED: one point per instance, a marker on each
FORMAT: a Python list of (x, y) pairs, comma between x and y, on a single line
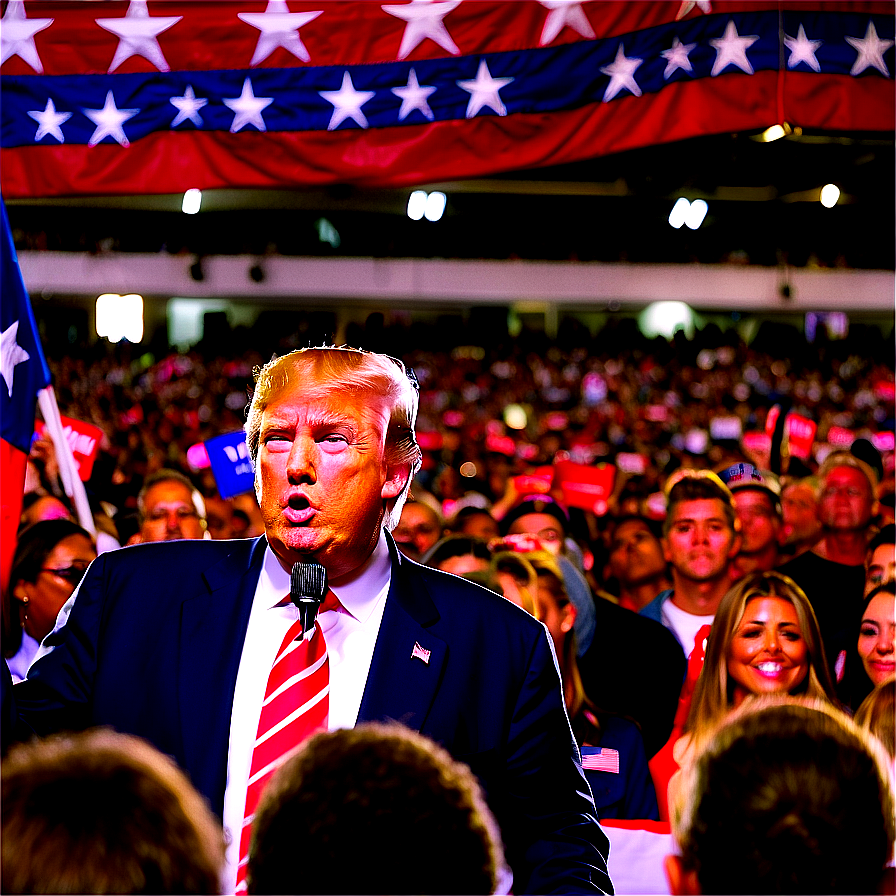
[(296, 705)]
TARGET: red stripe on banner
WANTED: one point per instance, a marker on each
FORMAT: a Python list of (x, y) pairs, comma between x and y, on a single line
[(12, 484)]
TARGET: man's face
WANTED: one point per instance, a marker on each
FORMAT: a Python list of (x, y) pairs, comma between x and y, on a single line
[(545, 527), (760, 524), (169, 513), (323, 481), (846, 502), (700, 543), (417, 530), (799, 508), (881, 567), (636, 554)]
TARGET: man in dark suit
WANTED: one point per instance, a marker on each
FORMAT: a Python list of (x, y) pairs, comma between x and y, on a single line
[(174, 642)]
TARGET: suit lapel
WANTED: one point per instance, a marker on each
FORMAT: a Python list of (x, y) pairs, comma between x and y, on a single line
[(408, 658), (212, 632)]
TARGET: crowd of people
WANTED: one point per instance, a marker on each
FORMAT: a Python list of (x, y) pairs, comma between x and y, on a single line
[(719, 564)]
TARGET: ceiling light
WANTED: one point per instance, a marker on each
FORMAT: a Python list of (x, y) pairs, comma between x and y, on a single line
[(776, 132), (416, 205), (435, 206), (829, 196), (192, 201), (696, 214), (679, 212)]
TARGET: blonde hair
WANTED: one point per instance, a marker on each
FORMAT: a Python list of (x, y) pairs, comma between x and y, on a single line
[(329, 369), (713, 698), (877, 715)]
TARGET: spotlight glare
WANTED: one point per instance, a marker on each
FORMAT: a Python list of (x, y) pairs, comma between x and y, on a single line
[(830, 195), (191, 202), (696, 214), (435, 206), (775, 132), (416, 205), (679, 212)]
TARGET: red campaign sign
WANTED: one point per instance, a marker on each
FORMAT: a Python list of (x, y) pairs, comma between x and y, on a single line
[(538, 482), (800, 434), (83, 439), (588, 487), (800, 431)]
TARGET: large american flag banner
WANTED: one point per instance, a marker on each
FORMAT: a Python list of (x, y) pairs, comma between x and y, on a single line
[(156, 97)]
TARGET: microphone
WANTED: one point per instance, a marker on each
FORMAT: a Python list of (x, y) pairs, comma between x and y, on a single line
[(307, 589)]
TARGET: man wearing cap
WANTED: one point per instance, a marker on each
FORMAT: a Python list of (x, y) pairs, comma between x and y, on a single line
[(757, 498), (833, 573), (629, 665), (701, 538)]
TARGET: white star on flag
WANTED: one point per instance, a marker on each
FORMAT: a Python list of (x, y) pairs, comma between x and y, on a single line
[(347, 103), (248, 108), (187, 106), (677, 57), (802, 50), (137, 33), (414, 96), (279, 28), (11, 354), (424, 19), (49, 121), (109, 121), (871, 51), (17, 35), (731, 49), (622, 74), (483, 90), (564, 13)]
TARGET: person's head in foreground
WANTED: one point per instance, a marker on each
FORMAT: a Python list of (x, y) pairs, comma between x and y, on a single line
[(765, 640), (877, 715), (373, 809), (101, 812), (790, 796)]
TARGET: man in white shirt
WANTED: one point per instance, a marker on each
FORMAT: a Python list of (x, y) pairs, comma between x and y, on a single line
[(175, 641), (701, 537)]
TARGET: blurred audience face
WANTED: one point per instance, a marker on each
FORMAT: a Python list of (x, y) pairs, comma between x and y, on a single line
[(767, 653), (418, 530), (463, 564), (881, 567), (700, 542), (760, 523), (480, 525), (877, 637), (62, 570), (799, 507), (545, 527), (46, 508), (169, 513), (636, 554), (847, 500), (553, 608), (219, 516)]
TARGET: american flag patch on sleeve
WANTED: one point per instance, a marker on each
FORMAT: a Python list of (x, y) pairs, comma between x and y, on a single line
[(600, 759)]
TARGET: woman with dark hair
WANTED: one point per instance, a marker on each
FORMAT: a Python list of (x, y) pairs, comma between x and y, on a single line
[(870, 657), (50, 560)]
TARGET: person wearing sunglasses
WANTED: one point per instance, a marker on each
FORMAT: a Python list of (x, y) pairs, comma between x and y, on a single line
[(50, 560)]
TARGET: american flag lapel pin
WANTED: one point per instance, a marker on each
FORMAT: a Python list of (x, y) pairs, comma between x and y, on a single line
[(420, 653)]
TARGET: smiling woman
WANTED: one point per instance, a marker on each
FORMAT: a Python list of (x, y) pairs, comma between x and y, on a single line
[(765, 639)]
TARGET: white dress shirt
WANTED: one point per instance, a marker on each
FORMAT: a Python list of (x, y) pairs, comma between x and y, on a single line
[(351, 634)]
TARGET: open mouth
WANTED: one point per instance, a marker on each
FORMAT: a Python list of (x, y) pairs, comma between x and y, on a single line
[(769, 670), (298, 509)]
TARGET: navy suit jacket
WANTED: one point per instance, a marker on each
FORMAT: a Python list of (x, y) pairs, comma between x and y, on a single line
[(153, 644)]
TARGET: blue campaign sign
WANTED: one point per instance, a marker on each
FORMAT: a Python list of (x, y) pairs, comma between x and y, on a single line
[(229, 457)]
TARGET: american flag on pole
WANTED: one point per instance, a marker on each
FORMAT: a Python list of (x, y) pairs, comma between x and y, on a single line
[(23, 373), (159, 97)]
